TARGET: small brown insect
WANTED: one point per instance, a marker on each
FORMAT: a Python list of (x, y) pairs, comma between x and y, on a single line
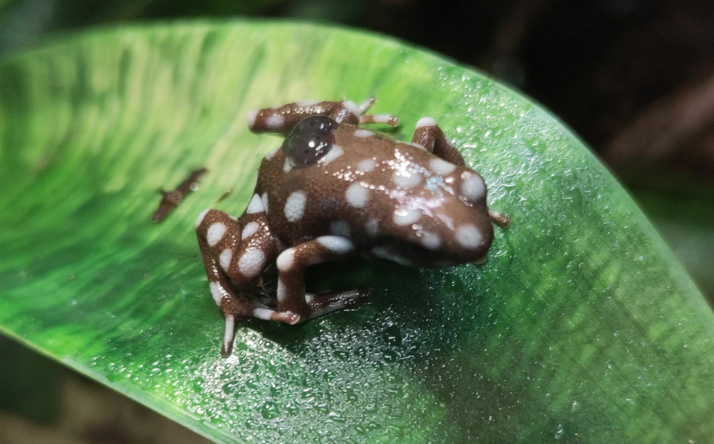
[(171, 199)]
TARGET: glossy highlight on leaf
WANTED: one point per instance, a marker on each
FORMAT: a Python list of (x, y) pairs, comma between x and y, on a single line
[(580, 327)]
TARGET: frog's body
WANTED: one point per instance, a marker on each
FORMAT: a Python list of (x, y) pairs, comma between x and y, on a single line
[(335, 190)]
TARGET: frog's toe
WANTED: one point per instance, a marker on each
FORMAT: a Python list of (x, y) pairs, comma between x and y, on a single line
[(228, 336), (286, 316), (323, 303), (365, 295)]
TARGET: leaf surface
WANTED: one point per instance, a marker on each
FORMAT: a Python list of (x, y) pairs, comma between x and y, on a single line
[(581, 326)]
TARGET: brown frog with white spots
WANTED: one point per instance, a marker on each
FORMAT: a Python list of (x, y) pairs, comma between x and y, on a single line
[(335, 190)]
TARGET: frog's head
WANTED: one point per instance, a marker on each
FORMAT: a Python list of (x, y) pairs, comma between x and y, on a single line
[(441, 222)]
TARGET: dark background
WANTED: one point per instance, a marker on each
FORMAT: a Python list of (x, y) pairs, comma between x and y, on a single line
[(634, 78)]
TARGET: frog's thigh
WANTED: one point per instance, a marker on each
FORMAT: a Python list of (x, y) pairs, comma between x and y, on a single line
[(292, 264), (428, 134), (215, 231), (242, 247), (211, 229)]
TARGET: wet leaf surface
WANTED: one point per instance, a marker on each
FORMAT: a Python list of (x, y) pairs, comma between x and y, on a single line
[(582, 326)]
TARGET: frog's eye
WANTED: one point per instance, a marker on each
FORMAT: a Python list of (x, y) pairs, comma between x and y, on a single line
[(310, 140)]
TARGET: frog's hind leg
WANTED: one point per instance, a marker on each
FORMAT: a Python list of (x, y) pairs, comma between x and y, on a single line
[(282, 119), (384, 119), (499, 219), (226, 257), (428, 135)]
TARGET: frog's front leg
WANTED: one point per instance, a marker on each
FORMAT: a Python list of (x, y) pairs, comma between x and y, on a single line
[(282, 119), (292, 264), (428, 135)]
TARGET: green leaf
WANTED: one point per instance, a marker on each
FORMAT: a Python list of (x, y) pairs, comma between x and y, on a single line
[(581, 326), (686, 221)]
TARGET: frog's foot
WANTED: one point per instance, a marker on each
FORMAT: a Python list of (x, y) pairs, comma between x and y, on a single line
[(366, 105), (327, 302), (499, 219), (428, 135), (236, 309), (385, 119), (268, 311)]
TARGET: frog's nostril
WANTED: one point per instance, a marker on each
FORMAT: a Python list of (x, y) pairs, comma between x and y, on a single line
[(473, 188)]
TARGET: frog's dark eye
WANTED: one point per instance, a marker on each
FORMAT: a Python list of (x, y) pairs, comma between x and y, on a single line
[(310, 140)]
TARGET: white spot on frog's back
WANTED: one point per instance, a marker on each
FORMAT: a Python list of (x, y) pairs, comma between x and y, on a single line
[(468, 236), (425, 121), (251, 262), (295, 206), (255, 205), (362, 133), (472, 186), (201, 216), (404, 216), (406, 179), (366, 165), (333, 154), (249, 230), (440, 166), (215, 233), (307, 102), (275, 121), (357, 195)]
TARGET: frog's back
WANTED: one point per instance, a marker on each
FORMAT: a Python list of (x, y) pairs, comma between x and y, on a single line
[(387, 197)]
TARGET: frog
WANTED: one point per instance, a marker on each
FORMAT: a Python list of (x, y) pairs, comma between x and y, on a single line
[(334, 190)]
